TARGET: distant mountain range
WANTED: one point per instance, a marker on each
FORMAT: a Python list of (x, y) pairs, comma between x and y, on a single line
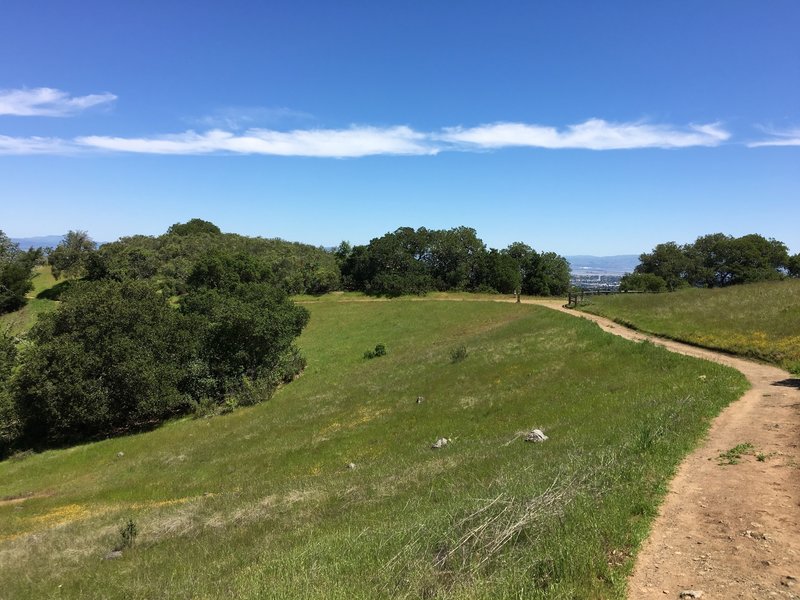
[(41, 241), (618, 264)]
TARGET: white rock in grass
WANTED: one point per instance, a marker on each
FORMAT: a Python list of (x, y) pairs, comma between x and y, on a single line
[(536, 435), (440, 443)]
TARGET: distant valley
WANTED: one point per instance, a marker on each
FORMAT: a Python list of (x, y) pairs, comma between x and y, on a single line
[(606, 265), (41, 241)]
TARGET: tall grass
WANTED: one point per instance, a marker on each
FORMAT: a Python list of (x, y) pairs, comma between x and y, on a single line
[(263, 503), (759, 320)]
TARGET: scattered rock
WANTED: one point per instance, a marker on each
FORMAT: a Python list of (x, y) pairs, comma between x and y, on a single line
[(351, 466), (440, 443), (691, 594), (755, 535), (788, 580), (420, 399), (536, 435), (120, 454), (113, 554)]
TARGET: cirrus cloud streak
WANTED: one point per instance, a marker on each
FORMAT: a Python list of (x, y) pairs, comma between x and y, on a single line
[(334, 143), (790, 137), (47, 102), (594, 134), (358, 141)]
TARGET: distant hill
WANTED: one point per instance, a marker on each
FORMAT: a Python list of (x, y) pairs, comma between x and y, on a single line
[(621, 263), (42, 241)]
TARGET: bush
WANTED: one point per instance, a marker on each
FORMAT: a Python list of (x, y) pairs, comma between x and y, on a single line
[(642, 282), (380, 350), (244, 333), (290, 365), (127, 535), (205, 407), (112, 357)]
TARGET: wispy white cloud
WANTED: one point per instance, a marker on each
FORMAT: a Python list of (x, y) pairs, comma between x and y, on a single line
[(333, 143), (35, 145), (358, 141), (594, 134), (47, 102), (789, 137)]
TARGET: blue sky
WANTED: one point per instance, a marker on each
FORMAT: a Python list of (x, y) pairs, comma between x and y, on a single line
[(580, 127)]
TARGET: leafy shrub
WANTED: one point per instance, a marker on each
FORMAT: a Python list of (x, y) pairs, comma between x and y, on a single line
[(642, 282), (244, 332), (458, 353), (127, 535), (205, 407), (290, 365), (112, 357), (380, 350), (228, 405)]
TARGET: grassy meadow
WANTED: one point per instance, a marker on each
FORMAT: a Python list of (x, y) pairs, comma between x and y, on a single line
[(758, 320), (20, 321), (262, 503)]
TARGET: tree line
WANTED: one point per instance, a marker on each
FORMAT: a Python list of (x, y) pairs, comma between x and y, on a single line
[(416, 261), (714, 260)]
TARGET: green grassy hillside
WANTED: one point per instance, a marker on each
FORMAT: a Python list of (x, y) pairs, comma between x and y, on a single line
[(21, 320), (759, 320), (261, 503)]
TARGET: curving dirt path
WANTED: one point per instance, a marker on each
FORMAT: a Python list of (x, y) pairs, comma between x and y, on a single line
[(726, 532), (729, 531)]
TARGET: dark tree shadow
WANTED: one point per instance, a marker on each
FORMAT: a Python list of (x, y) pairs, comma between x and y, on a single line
[(55, 292), (792, 383)]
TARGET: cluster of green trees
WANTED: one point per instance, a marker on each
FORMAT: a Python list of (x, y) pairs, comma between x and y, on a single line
[(713, 260), (416, 261), (16, 274), (119, 353), (168, 259)]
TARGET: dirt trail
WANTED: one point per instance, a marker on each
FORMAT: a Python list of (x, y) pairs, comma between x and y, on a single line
[(730, 531)]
